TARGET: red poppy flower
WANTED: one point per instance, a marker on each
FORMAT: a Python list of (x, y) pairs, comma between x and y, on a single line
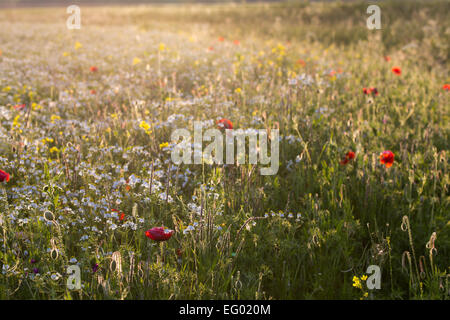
[(372, 91), (19, 106), (159, 234), (301, 62), (120, 213), (387, 158), (348, 156), (127, 186), (4, 176), (93, 92), (236, 42), (224, 124), (94, 69), (446, 87), (387, 58), (397, 70), (221, 39), (211, 48)]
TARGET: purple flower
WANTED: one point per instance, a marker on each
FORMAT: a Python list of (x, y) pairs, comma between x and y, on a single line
[(36, 270), (33, 261), (95, 268)]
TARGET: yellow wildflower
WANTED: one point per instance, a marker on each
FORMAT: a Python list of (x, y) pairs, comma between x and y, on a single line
[(357, 282), (54, 149), (35, 106), (54, 117), (144, 125), (16, 122), (136, 61)]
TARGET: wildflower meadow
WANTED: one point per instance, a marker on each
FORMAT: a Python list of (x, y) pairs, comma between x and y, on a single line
[(93, 205)]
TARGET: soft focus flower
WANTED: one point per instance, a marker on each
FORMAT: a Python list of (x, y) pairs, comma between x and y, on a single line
[(19, 106), (372, 91), (159, 234), (55, 276), (221, 39), (16, 122), (93, 69), (120, 213), (387, 158), (4, 176), (397, 70), (446, 87), (136, 61), (236, 42), (301, 62), (348, 156), (144, 125), (387, 58), (54, 150), (54, 117), (224, 124)]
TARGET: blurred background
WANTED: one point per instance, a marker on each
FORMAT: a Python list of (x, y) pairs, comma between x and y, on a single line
[(33, 3)]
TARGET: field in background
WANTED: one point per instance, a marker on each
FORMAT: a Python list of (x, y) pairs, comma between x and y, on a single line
[(86, 117)]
